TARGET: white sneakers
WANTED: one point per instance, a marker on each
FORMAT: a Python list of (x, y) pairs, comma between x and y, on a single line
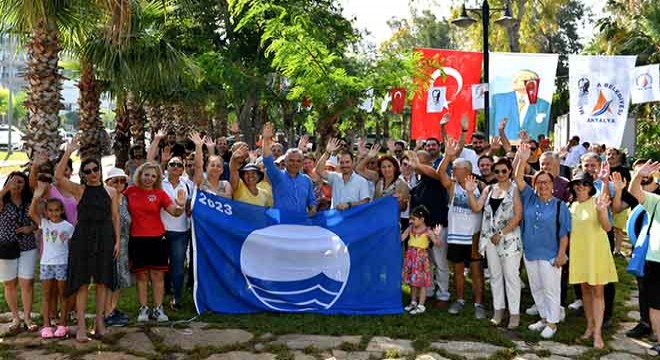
[(537, 326), (143, 314), (548, 332), (419, 309), (575, 305), (532, 311), (410, 306)]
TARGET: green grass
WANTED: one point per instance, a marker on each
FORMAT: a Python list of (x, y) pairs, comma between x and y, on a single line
[(20, 156), (16, 155), (432, 326)]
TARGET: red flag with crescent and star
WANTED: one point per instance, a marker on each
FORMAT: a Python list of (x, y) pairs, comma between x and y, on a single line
[(452, 94), (398, 96)]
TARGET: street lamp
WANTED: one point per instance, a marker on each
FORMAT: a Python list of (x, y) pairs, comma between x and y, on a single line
[(465, 21)]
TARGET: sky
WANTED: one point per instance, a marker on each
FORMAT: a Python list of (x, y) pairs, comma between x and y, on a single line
[(372, 15)]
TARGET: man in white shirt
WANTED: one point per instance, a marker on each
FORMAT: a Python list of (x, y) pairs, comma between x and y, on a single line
[(575, 152), (348, 188)]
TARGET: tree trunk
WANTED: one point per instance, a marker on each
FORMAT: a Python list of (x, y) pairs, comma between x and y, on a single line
[(152, 111), (288, 118), (386, 126), (246, 118), (122, 137), (94, 142), (44, 91), (137, 120), (167, 117), (220, 118), (513, 32)]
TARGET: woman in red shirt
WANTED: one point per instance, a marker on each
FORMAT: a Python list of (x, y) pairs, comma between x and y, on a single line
[(147, 248)]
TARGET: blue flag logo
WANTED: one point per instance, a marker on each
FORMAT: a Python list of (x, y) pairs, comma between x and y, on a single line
[(249, 259)]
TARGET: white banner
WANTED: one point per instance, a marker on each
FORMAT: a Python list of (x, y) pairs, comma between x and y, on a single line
[(520, 90), (478, 96), (645, 84), (437, 99), (599, 89)]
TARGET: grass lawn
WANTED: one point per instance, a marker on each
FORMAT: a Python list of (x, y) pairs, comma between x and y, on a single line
[(423, 329), (23, 158)]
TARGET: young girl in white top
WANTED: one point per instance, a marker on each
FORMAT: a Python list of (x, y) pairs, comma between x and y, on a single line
[(56, 232)]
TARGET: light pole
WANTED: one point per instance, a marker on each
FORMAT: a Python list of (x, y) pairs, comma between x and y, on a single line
[(464, 21)]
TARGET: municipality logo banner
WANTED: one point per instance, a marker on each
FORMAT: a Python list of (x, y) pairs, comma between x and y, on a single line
[(250, 259), (645, 84), (599, 89)]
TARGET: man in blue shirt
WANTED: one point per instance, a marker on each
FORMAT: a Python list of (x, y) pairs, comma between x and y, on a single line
[(292, 190)]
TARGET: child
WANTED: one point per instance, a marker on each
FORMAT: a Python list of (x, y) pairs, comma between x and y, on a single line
[(416, 266), (56, 233)]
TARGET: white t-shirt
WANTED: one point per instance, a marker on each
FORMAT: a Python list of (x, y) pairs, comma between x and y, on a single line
[(56, 238), (175, 223)]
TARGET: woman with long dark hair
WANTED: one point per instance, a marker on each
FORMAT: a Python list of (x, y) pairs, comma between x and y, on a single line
[(95, 241), (18, 248)]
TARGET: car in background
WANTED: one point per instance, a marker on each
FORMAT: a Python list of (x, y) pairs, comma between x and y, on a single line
[(16, 138)]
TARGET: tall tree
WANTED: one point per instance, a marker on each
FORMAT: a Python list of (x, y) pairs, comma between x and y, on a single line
[(40, 21)]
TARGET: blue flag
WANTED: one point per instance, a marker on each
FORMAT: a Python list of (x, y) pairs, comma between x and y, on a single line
[(249, 258)]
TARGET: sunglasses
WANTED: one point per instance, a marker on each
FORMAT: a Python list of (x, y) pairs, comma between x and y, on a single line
[(498, 171), (88, 171), (175, 164)]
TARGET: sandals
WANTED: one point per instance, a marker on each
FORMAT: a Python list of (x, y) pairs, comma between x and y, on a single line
[(31, 327), (15, 326), (61, 331), (47, 332)]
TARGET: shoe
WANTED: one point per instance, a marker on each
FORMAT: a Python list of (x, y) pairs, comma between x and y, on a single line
[(498, 315), (548, 332), (410, 307), (122, 316), (479, 312), (537, 326), (514, 322), (47, 332), (61, 331), (158, 314), (418, 310), (175, 305), (575, 305), (116, 319), (532, 311), (441, 304), (143, 314), (456, 307), (654, 350), (562, 314)]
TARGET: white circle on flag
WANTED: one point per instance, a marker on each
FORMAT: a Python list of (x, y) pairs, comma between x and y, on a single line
[(295, 267)]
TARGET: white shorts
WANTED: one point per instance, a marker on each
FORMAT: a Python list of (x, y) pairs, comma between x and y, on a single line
[(23, 267)]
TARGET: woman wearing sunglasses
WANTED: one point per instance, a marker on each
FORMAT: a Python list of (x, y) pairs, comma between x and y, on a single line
[(118, 180), (95, 240), (545, 241), (500, 239)]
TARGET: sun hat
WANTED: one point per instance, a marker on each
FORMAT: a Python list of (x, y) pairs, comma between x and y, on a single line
[(251, 167), (582, 177), (115, 172)]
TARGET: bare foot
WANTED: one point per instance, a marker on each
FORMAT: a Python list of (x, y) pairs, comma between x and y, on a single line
[(599, 343), (588, 334), (81, 336), (100, 331)]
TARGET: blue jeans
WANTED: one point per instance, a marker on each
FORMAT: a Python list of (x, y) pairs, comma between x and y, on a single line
[(178, 242)]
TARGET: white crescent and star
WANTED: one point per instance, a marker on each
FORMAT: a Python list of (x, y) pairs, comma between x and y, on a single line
[(449, 71)]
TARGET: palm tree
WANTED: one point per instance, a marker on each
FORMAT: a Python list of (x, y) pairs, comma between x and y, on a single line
[(40, 22)]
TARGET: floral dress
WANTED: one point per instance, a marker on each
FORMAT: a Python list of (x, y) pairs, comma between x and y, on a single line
[(417, 266)]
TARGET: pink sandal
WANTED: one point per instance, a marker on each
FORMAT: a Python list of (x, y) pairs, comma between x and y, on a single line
[(47, 332), (61, 331)]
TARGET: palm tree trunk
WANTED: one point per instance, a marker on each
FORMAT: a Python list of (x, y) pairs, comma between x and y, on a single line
[(44, 89), (122, 138), (152, 111), (137, 120), (94, 141)]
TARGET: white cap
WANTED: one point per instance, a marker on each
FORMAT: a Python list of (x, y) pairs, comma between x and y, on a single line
[(115, 172)]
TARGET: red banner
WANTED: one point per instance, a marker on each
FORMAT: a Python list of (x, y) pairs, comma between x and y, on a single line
[(398, 96), (452, 94), (532, 89)]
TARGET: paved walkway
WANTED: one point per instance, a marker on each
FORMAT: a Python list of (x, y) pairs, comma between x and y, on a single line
[(199, 340)]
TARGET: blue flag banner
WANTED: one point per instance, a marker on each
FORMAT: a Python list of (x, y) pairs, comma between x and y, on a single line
[(249, 258)]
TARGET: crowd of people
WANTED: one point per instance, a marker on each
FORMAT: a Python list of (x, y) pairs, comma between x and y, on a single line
[(488, 206)]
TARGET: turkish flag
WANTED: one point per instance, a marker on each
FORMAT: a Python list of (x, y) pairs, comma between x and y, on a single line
[(398, 96), (453, 94), (532, 88)]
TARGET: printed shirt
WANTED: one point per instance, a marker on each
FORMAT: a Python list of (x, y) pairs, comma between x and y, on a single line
[(353, 190), (651, 203), (12, 217), (144, 206), (56, 238), (539, 230), (292, 193)]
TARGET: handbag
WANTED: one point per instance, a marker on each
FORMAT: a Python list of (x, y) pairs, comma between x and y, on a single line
[(638, 259)]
